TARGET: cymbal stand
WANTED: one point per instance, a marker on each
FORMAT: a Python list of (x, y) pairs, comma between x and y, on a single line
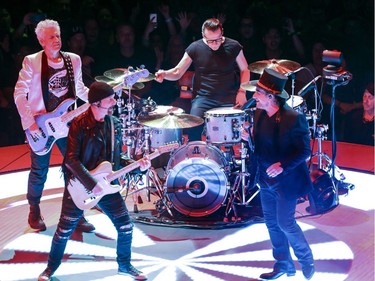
[(239, 188), (293, 76), (326, 165)]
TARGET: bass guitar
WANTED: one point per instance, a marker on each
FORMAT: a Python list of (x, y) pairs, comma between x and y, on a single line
[(53, 126), (85, 199)]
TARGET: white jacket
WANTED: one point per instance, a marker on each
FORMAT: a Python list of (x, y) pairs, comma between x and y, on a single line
[(28, 94)]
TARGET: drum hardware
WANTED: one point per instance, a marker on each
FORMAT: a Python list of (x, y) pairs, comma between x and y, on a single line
[(163, 201), (238, 193)]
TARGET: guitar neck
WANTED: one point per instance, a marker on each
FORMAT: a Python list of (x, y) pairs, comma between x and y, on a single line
[(71, 114), (117, 174)]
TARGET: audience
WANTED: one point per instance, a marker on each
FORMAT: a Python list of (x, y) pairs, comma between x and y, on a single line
[(359, 124), (266, 29)]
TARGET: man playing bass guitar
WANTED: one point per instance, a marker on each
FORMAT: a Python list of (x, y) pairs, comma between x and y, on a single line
[(49, 79)]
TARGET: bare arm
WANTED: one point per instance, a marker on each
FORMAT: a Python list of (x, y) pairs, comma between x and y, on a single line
[(175, 73), (244, 77)]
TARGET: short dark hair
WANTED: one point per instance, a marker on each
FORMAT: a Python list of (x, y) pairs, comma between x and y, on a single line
[(212, 24)]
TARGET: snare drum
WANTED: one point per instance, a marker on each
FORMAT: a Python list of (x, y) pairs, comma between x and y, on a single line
[(298, 104), (223, 125), (197, 182)]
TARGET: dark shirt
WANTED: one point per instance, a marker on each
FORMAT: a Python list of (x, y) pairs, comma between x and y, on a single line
[(216, 72), (357, 130)]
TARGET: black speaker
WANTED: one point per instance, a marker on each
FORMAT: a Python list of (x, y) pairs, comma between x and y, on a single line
[(324, 196)]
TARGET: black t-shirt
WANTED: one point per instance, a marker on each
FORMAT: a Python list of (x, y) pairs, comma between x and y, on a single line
[(216, 72)]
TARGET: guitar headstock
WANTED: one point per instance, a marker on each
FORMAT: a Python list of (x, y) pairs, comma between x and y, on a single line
[(168, 147), (132, 76)]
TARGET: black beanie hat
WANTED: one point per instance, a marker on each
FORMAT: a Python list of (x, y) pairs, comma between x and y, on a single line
[(99, 91)]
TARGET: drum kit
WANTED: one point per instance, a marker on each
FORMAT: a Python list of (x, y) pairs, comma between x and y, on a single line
[(200, 177)]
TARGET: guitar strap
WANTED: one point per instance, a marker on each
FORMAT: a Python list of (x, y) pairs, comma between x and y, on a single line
[(44, 78), (112, 139), (69, 67)]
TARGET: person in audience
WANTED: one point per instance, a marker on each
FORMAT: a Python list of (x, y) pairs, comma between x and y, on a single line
[(359, 124)]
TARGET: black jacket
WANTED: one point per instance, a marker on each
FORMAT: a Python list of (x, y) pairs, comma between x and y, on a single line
[(89, 144), (284, 139)]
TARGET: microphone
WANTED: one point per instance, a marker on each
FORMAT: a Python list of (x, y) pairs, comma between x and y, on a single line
[(293, 72), (308, 86), (250, 103)]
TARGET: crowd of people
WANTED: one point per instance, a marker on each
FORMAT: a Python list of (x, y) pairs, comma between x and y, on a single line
[(200, 53), (119, 34)]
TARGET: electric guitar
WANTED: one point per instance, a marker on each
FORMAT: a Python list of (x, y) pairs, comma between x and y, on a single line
[(85, 199), (53, 126)]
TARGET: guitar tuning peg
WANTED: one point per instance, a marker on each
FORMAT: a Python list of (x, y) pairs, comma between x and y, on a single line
[(130, 69), (142, 66)]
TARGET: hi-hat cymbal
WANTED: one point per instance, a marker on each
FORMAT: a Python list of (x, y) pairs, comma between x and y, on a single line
[(114, 83), (107, 80), (136, 86), (282, 66), (148, 78), (118, 74), (171, 120)]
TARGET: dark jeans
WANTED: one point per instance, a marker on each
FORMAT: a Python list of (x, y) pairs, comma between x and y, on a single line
[(283, 229), (114, 207), (199, 106), (38, 172)]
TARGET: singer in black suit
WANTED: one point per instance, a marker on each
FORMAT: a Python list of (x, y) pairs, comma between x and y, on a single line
[(282, 145)]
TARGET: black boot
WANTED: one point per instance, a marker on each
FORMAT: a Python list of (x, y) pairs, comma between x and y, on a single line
[(84, 226), (35, 219)]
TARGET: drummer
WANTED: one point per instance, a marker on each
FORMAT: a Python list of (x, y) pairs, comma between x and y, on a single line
[(216, 60)]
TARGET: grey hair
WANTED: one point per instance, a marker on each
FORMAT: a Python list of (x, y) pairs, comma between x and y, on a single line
[(43, 25)]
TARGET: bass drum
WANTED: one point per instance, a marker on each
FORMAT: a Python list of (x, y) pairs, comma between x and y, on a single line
[(196, 183)]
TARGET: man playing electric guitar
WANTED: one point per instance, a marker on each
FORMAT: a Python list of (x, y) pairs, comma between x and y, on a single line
[(95, 137), (47, 79)]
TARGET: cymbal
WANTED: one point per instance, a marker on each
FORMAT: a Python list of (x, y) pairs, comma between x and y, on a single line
[(107, 80), (114, 83), (119, 74), (165, 109), (249, 86), (136, 86), (148, 78), (171, 120), (282, 66), (116, 73)]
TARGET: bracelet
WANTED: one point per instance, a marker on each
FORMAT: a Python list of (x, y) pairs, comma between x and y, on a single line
[(168, 20)]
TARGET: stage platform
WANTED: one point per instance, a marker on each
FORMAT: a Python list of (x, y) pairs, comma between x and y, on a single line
[(342, 239)]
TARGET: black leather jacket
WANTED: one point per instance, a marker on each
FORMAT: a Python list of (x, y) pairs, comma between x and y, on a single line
[(89, 144)]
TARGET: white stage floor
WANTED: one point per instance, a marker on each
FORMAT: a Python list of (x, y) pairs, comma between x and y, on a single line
[(342, 241)]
